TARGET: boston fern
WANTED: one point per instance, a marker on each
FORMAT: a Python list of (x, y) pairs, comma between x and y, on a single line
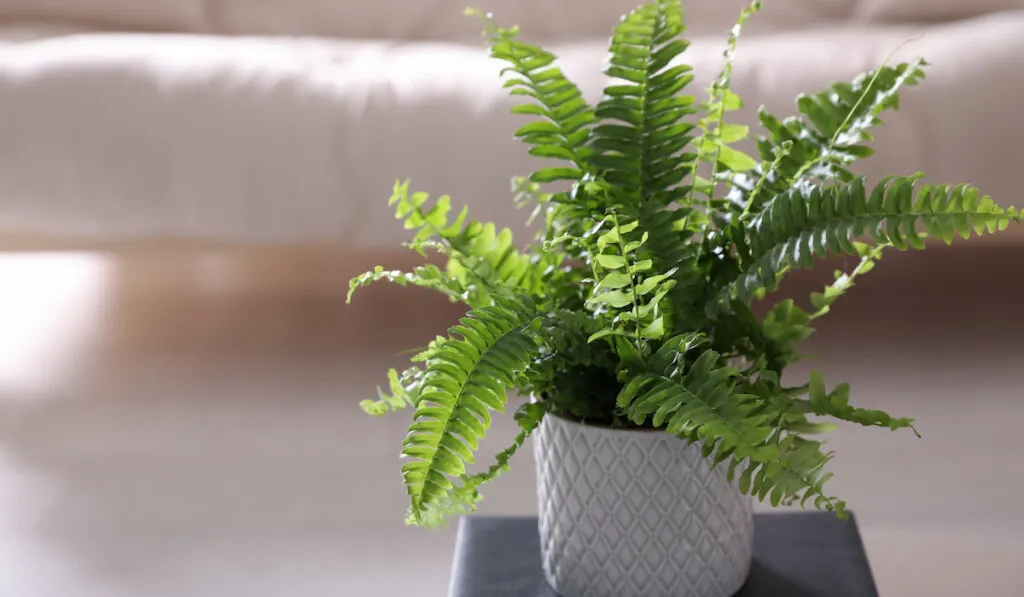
[(633, 306)]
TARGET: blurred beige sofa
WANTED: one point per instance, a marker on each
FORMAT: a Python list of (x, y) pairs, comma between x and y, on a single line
[(286, 121)]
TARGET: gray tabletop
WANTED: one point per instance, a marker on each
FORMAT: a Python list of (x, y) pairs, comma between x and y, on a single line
[(795, 555)]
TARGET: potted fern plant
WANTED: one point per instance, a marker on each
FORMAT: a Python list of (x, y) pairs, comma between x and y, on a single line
[(657, 396)]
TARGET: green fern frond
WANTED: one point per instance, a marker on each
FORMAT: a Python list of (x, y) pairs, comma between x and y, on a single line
[(465, 498), (482, 258), (787, 325), (563, 128), (843, 282), (698, 403), (639, 142), (403, 391), (429, 222), (627, 287), (803, 224), (842, 115), (465, 380), (714, 143), (832, 132), (425, 276), (525, 193), (486, 255), (836, 404), (714, 147), (797, 474), (701, 404), (672, 231), (565, 338), (570, 373)]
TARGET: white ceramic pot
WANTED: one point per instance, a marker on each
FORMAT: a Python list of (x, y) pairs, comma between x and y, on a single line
[(635, 513)]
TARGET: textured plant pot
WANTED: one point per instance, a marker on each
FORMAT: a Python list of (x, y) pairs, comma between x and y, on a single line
[(637, 514)]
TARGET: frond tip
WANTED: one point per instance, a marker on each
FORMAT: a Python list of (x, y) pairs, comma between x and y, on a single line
[(464, 498)]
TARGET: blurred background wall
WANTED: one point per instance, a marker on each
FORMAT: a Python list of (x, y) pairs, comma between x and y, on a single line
[(186, 186)]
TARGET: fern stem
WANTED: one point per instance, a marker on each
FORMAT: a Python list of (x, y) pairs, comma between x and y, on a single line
[(866, 263), (632, 287), (724, 82), (783, 151), (718, 89)]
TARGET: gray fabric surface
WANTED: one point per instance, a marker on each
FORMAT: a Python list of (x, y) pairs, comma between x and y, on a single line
[(795, 555)]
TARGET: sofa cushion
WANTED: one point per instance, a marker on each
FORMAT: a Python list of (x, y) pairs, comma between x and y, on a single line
[(930, 10), (539, 19), (299, 140), (151, 15)]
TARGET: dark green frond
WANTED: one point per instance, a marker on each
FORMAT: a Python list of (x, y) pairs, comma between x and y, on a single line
[(797, 475), (671, 246), (572, 374), (639, 147), (697, 401), (836, 404), (466, 379), (841, 116), (785, 327), (794, 229)]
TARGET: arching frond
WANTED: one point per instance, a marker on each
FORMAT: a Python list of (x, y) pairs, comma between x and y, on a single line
[(563, 127), (464, 498), (795, 228), (465, 380)]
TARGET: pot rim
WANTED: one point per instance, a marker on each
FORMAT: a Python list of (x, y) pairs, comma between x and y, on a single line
[(608, 428)]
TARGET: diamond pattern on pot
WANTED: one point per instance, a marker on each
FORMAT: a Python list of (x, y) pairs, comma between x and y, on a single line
[(637, 513)]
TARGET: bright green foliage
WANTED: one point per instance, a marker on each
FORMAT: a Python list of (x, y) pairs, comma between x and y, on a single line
[(563, 129), (402, 392), (637, 145), (482, 259), (465, 380), (466, 496), (633, 309)]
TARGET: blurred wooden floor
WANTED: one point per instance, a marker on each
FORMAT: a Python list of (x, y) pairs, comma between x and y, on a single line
[(185, 423)]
